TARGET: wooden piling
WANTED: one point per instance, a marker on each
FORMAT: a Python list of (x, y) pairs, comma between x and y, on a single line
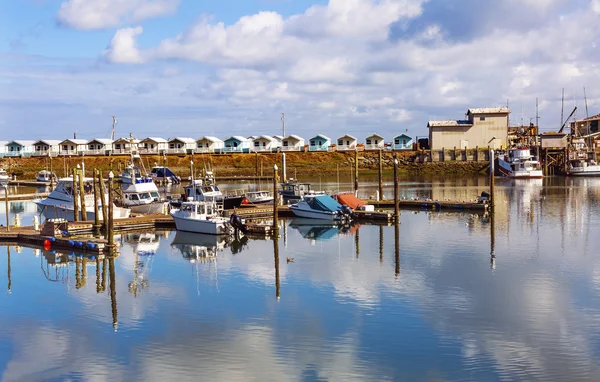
[(7, 209), (96, 214), (275, 204), (256, 163), (75, 197), (356, 172), (396, 207), (110, 233), (380, 174), (103, 198), (82, 196)]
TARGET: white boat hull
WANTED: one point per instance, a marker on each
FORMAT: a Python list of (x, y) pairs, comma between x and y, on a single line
[(593, 170), (4, 181), (62, 210), (506, 170), (149, 209), (214, 226), (314, 214)]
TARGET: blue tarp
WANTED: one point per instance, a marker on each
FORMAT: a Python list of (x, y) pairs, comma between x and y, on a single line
[(324, 203), (159, 172)]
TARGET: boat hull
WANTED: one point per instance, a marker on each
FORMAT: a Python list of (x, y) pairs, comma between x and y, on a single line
[(4, 182), (314, 214), (505, 169), (231, 202), (149, 209), (593, 170), (63, 210), (209, 227)]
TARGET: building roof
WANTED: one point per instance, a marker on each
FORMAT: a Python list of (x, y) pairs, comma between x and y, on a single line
[(49, 142), (373, 136), (592, 118), (278, 137), (104, 141), (209, 138), (403, 135), (347, 136), (22, 142), (75, 141), (183, 139), (126, 140), (154, 139), (449, 123), (294, 137), (489, 110), (238, 138), (266, 137), (321, 136)]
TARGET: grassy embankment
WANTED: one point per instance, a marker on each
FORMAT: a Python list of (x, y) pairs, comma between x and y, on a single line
[(301, 164)]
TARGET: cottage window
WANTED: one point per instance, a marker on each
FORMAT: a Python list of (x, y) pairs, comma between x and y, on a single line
[(18, 148), (340, 142), (482, 118), (256, 144), (118, 146), (396, 141), (235, 144), (152, 145), (404, 141), (285, 143), (376, 141), (368, 141), (171, 145), (12, 148), (313, 143), (72, 148)]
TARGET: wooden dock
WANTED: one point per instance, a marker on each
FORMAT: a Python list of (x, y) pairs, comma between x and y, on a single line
[(430, 205), (26, 197)]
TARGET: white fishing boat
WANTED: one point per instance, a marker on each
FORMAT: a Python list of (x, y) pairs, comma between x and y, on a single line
[(207, 191), (45, 176), (584, 166), (140, 194), (259, 197), (322, 207), (4, 178), (201, 217), (519, 163), (59, 204)]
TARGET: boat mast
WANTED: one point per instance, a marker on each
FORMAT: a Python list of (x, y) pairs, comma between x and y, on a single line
[(114, 122)]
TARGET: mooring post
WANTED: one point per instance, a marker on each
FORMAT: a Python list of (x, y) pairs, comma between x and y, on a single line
[(82, 196), (75, 197), (380, 175), (492, 241), (6, 204), (283, 167), (356, 172), (397, 248), (491, 179), (275, 204), (256, 164), (103, 195), (396, 212), (276, 255), (110, 233), (96, 213)]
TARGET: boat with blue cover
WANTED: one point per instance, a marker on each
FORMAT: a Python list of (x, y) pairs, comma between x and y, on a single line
[(322, 207)]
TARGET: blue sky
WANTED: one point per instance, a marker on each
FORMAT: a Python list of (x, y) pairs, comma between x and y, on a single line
[(190, 68)]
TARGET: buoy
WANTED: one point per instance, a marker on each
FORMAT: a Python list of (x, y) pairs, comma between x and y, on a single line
[(47, 243), (71, 243)]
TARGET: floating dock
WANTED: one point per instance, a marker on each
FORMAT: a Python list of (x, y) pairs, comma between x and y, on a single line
[(430, 205)]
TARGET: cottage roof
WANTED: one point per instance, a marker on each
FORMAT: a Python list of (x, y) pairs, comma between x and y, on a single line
[(321, 136), (126, 140), (403, 135), (22, 142), (449, 123), (183, 140), (293, 137), (347, 136), (237, 138), (209, 138), (278, 137), (266, 137), (374, 135), (104, 141), (489, 110), (49, 142), (74, 141), (154, 139)]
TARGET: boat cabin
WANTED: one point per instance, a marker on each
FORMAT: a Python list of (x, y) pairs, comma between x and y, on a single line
[(293, 191), (201, 191)]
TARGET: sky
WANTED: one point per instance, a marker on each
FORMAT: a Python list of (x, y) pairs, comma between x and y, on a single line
[(191, 68)]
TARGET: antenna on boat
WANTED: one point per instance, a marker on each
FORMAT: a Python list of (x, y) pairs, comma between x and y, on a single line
[(562, 108)]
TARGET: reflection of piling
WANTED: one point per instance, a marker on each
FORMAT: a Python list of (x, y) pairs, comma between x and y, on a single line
[(77, 272), (357, 242), (396, 212), (84, 271), (96, 214), (75, 197), (492, 199), (98, 285), (492, 240), (113, 291), (110, 233), (380, 174), (381, 244), (356, 172), (9, 287), (103, 282), (397, 248), (7, 209), (275, 204), (276, 256)]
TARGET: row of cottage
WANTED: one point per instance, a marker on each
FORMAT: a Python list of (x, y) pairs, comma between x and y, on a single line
[(207, 144)]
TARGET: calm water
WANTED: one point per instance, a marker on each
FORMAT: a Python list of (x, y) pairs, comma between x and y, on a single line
[(349, 308)]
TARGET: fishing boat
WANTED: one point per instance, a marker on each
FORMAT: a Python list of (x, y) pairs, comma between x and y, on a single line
[(293, 191), (4, 178), (162, 174), (322, 207), (519, 163), (201, 217), (59, 204), (582, 167), (139, 193), (45, 176), (206, 190), (258, 197)]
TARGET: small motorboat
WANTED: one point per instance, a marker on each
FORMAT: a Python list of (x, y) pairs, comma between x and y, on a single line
[(293, 191), (201, 217), (583, 167), (140, 194), (4, 178), (206, 190), (519, 163), (46, 176), (322, 207), (259, 197)]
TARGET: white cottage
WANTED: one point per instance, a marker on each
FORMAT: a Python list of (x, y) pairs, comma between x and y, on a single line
[(125, 146), (99, 146), (46, 147), (20, 148), (374, 142), (346, 142), (180, 145), (265, 143), (292, 143), (209, 144), (153, 145), (73, 146)]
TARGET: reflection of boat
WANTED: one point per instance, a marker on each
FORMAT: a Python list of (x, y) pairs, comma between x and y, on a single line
[(200, 217), (315, 229), (319, 207), (197, 246), (519, 163), (4, 178), (59, 204), (45, 176), (145, 243)]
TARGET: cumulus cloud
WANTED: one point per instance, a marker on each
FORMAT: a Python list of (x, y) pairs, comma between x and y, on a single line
[(122, 48), (100, 14)]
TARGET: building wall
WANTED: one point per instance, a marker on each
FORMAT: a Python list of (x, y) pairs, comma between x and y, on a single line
[(478, 135)]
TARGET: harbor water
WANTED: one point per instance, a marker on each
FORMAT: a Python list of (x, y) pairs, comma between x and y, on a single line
[(446, 296)]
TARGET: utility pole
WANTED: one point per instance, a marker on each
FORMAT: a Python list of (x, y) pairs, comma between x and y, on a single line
[(283, 124), (114, 122)]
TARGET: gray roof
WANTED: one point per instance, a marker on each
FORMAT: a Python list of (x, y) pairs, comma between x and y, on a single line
[(322, 136), (104, 141), (295, 137), (489, 110), (449, 123), (75, 141), (347, 136), (155, 139), (183, 139), (49, 142), (210, 139), (22, 142)]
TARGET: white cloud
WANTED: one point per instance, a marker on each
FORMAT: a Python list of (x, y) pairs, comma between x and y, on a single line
[(595, 5), (122, 48), (100, 14)]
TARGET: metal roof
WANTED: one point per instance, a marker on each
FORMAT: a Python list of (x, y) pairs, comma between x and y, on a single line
[(266, 137), (104, 141), (154, 139), (237, 138), (449, 123), (294, 137), (183, 139), (347, 136), (321, 136), (76, 141), (374, 135), (489, 110), (49, 142), (22, 142), (209, 138)]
